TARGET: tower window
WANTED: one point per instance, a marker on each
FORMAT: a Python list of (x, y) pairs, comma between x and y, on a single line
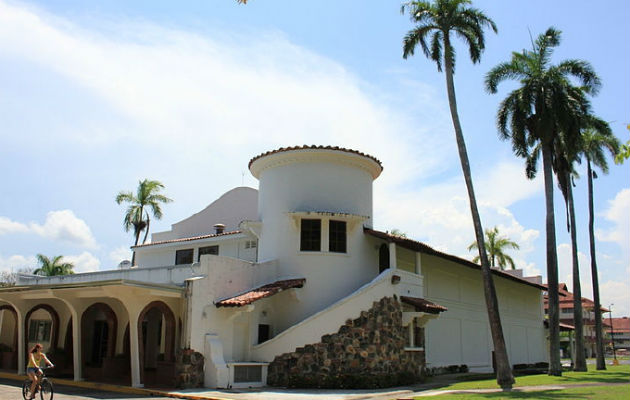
[(311, 235), (337, 236)]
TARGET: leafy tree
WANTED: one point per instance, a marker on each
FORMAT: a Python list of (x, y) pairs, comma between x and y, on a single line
[(624, 151), (545, 104), (495, 248), (437, 23), (595, 139), (398, 232), (147, 198), (53, 267)]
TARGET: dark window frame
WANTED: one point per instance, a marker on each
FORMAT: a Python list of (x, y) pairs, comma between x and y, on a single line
[(214, 250), (337, 236), (310, 234), (179, 254)]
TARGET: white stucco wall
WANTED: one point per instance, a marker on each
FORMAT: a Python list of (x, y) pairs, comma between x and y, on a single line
[(461, 335), (230, 209)]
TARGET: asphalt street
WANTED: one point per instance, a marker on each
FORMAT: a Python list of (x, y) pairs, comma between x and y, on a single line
[(12, 390)]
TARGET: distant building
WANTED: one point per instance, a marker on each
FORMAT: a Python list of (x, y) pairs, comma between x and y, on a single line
[(567, 319), (290, 281), (620, 332)]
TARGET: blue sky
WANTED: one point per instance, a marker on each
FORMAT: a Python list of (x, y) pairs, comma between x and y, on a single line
[(94, 97)]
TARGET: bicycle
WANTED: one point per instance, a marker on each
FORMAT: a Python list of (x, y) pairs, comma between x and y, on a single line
[(45, 387)]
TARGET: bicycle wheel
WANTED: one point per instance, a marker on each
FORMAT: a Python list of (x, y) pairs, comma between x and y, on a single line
[(26, 389), (46, 390)]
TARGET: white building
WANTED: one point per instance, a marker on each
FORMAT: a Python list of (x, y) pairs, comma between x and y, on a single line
[(289, 279)]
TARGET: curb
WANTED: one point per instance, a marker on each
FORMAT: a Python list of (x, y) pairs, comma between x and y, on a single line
[(107, 387)]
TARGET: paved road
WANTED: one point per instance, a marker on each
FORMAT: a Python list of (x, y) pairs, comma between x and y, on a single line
[(12, 390)]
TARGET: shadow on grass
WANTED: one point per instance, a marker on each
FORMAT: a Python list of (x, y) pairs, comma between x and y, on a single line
[(543, 395)]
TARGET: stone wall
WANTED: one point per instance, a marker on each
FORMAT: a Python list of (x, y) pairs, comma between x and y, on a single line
[(366, 352), (188, 369)]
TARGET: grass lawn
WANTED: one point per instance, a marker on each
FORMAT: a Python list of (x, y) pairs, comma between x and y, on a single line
[(595, 392), (612, 374)]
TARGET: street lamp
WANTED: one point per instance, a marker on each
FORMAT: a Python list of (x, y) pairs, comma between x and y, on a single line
[(612, 336)]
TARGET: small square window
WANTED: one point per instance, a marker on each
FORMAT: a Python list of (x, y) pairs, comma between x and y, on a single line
[(184, 256), (311, 235), (264, 333), (337, 236)]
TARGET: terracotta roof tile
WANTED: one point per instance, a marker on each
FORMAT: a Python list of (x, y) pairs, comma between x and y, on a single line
[(260, 293), (187, 239), (620, 324), (314, 147), (423, 305)]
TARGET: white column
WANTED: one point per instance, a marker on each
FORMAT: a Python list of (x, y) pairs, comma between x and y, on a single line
[(392, 255), (418, 265), (21, 351), (76, 344), (134, 348)]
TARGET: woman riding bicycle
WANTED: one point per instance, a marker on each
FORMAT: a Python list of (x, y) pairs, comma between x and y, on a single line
[(35, 357)]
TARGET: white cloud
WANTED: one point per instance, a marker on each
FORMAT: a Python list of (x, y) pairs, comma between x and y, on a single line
[(617, 293), (84, 262), (17, 262), (64, 226), (119, 254), (618, 214), (565, 269), (8, 226)]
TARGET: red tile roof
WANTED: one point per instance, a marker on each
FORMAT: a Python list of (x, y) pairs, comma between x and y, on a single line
[(563, 326), (566, 299), (423, 248), (187, 239), (260, 293), (314, 147), (423, 305), (620, 325)]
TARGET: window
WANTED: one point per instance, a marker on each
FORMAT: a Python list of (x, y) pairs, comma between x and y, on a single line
[(264, 333), (311, 235), (184, 256), (418, 334), (566, 310), (337, 236), (214, 250), (251, 244), (39, 330)]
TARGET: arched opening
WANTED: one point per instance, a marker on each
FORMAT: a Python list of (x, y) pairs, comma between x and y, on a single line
[(41, 325), (8, 338), (156, 340), (383, 258), (99, 326)]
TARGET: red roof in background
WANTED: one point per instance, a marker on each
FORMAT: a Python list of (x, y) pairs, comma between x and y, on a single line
[(260, 293), (620, 324), (315, 147), (423, 305), (566, 298)]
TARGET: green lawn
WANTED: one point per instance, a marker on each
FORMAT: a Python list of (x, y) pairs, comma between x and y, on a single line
[(612, 374), (595, 392)]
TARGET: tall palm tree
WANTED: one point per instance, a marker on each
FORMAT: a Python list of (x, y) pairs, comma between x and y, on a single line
[(495, 248), (48, 267), (595, 139), (535, 114), (147, 198), (437, 24)]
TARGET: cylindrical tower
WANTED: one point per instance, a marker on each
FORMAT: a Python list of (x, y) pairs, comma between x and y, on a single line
[(313, 202)]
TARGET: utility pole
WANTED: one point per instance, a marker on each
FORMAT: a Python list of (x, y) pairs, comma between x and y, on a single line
[(612, 336)]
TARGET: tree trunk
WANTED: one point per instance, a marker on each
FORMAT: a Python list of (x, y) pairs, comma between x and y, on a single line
[(599, 338), (580, 358), (505, 379), (146, 233), (555, 368)]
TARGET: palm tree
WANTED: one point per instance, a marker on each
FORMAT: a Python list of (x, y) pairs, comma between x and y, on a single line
[(440, 21), (137, 216), (495, 246), (535, 114), (48, 267), (596, 139)]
